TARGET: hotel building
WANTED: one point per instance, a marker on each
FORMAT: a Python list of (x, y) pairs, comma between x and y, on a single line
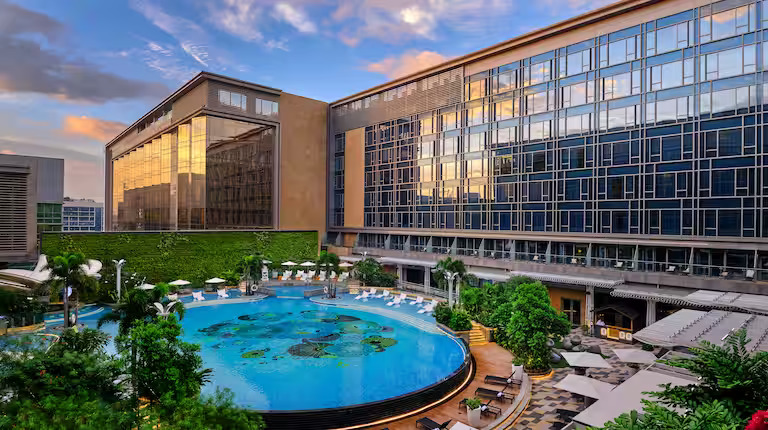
[(617, 156)]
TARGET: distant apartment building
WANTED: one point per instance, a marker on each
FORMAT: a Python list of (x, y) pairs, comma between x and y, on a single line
[(31, 195), (82, 215)]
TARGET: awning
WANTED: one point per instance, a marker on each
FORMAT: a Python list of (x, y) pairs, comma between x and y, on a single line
[(688, 327), (407, 261), (586, 359), (590, 387), (673, 296), (489, 275), (702, 298), (568, 279), (627, 397), (349, 258), (634, 355)]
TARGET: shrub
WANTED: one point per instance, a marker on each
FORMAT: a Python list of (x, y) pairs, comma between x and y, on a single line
[(647, 347), (460, 321), (370, 272), (442, 313), (473, 403)]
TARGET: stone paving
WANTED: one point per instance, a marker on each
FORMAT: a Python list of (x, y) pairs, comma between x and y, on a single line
[(545, 399)]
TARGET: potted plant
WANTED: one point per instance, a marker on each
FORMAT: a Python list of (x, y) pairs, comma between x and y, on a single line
[(473, 411)]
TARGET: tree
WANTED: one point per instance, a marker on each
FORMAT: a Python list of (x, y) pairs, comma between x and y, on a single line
[(533, 322), (729, 373), (232, 277), (330, 262), (67, 272), (369, 272), (453, 269), (249, 267), (713, 415), (215, 412), (164, 368)]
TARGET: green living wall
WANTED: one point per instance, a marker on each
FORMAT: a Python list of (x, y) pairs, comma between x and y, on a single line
[(193, 256)]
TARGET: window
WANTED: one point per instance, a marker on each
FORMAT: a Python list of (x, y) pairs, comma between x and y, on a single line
[(672, 110), (229, 98), (618, 118), (727, 63), (577, 94), (575, 124), (619, 51), (674, 74), (476, 89), (576, 63), (506, 109), (504, 82), (729, 102), (622, 85), (572, 310), (727, 23), (539, 102), (539, 72), (670, 38)]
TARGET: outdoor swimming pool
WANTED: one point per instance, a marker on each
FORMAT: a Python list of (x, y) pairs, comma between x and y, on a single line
[(284, 354)]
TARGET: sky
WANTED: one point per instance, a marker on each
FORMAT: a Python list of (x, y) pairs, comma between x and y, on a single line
[(74, 73)]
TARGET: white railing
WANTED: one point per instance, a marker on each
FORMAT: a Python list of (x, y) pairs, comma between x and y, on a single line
[(419, 288)]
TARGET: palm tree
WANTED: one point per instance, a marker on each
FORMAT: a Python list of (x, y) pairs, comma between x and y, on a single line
[(452, 271), (249, 266), (67, 272), (330, 262)]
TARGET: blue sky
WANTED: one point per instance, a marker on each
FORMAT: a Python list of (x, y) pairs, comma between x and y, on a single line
[(74, 72)]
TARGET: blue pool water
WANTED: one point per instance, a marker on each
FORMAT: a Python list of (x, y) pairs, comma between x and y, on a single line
[(288, 354), (293, 291)]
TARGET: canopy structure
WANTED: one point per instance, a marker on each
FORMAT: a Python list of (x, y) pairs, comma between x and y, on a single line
[(215, 281), (288, 263), (627, 397), (688, 328), (634, 355), (350, 258), (586, 359), (146, 286), (700, 298), (307, 264), (490, 275), (590, 387), (345, 264), (568, 279), (408, 262), (179, 283)]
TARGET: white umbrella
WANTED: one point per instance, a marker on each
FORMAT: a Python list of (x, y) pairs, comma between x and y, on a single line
[(289, 263), (633, 355), (265, 262), (585, 359), (585, 386), (179, 283), (307, 264), (145, 286), (215, 281), (345, 264)]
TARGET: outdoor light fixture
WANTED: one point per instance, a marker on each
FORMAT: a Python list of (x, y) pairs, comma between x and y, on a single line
[(119, 266)]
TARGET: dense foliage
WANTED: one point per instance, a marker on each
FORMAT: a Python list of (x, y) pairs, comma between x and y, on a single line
[(193, 256), (67, 273), (532, 323), (369, 272), (731, 388), (460, 320), (442, 313), (484, 301), (20, 309)]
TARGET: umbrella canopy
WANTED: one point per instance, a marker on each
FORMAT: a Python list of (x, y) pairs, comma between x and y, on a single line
[(265, 262), (215, 281), (307, 264), (289, 263), (585, 359), (585, 386), (632, 355), (145, 286), (179, 283), (345, 264)]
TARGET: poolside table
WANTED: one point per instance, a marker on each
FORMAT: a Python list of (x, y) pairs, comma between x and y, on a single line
[(587, 387)]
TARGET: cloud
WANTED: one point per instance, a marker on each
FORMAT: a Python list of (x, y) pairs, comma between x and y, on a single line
[(30, 68), (576, 6), (164, 59), (396, 21), (409, 62), (7, 152), (295, 17), (94, 128), (191, 37), (240, 18)]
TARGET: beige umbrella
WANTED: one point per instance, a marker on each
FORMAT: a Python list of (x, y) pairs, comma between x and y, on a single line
[(585, 359), (307, 264), (633, 355), (289, 263), (345, 264), (215, 281), (585, 386), (146, 286), (179, 283)]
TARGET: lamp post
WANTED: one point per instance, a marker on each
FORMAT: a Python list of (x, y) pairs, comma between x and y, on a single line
[(119, 266), (449, 277)]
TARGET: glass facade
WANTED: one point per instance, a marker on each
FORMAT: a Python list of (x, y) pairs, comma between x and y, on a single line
[(48, 217), (82, 218), (653, 130), (209, 172)]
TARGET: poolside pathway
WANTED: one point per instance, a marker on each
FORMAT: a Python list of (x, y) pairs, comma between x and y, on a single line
[(491, 359), (545, 400)]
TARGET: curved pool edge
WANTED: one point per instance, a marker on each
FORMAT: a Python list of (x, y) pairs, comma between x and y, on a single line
[(378, 412)]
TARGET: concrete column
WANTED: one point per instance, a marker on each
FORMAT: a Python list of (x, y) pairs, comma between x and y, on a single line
[(427, 279), (399, 273), (650, 312), (590, 305)]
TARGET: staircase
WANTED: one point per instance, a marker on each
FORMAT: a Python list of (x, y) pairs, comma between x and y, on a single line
[(476, 336)]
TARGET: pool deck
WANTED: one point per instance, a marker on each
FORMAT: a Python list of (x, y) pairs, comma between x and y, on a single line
[(490, 359)]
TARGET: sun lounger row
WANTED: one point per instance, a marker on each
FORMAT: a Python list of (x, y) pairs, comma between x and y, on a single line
[(397, 300), (197, 296), (312, 276)]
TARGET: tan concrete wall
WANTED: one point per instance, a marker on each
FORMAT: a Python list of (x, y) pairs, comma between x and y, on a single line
[(302, 170), (348, 239), (354, 177), (557, 294), (190, 102), (584, 32)]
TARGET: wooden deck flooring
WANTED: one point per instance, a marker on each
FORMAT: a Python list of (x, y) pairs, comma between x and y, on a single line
[(491, 359)]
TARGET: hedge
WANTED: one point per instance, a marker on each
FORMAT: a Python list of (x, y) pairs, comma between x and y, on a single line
[(193, 256)]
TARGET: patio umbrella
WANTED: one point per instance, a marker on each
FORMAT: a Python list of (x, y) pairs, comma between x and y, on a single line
[(265, 262), (215, 281), (307, 264), (289, 263), (179, 283), (632, 355), (583, 360), (585, 386), (345, 264), (145, 286)]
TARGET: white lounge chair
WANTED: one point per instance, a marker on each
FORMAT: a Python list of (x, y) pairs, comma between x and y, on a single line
[(419, 300), (396, 302), (300, 275), (287, 275), (384, 295), (222, 293), (321, 276), (363, 297), (427, 309), (197, 296), (372, 292), (173, 297), (311, 275), (334, 275), (343, 277)]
